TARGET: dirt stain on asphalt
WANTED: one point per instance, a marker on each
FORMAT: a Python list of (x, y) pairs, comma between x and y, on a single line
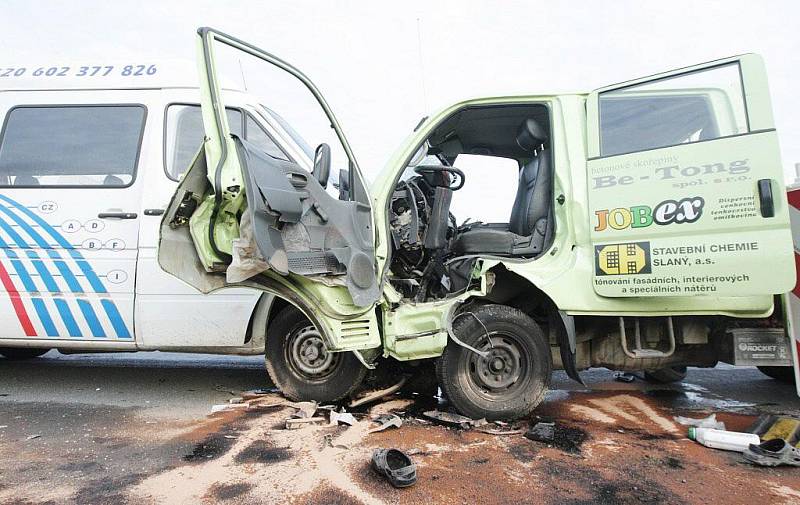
[(262, 451), (223, 492)]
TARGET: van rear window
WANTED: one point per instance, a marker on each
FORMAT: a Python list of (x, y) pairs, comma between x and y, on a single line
[(71, 146)]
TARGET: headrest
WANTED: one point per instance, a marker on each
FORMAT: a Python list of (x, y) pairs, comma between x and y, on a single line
[(530, 135)]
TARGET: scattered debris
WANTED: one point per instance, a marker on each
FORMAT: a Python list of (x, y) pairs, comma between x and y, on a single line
[(542, 432), (503, 430), (236, 399), (706, 422), (341, 417), (32, 437), (396, 466), (228, 406), (386, 421), (305, 409), (773, 452), (448, 418), (377, 395), (295, 423), (624, 377)]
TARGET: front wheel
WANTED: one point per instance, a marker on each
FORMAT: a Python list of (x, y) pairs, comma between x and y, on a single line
[(511, 379), (21, 352), (300, 365)]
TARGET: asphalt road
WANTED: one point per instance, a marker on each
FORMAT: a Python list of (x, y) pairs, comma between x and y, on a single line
[(135, 428)]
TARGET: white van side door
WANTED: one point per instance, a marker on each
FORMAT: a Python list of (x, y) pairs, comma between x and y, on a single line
[(70, 188)]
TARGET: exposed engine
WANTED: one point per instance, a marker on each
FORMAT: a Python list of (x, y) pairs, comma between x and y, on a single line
[(423, 230)]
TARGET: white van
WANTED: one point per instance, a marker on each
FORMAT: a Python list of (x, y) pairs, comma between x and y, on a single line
[(89, 158)]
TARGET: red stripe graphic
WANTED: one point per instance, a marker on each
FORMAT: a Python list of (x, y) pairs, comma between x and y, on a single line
[(16, 301), (796, 289), (794, 198)]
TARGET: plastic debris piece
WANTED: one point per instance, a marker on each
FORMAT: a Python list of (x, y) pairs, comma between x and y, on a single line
[(706, 422), (305, 410), (494, 431), (450, 419), (32, 437), (342, 417), (227, 406), (624, 377), (386, 421), (236, 399), (294, 423), (542, 432)]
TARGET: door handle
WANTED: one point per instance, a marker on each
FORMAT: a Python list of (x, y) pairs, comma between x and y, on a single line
[(765, 198), (153, 212), (117, 215)]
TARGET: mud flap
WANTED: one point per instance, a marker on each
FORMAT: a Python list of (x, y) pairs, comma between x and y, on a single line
[(567, 345)]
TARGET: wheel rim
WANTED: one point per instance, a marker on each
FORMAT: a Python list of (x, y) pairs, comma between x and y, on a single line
[(499, 372), (307, 356)]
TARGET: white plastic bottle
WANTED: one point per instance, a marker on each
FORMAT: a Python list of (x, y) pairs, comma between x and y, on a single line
[(721, 439)]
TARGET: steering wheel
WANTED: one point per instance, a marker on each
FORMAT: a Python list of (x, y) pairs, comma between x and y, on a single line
[(432, 169)]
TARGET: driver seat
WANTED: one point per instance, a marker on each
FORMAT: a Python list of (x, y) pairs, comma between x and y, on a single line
[(530, 224)]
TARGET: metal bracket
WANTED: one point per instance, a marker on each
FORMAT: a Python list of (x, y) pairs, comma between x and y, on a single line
[(360, 358), (639, 352), (451, 333)]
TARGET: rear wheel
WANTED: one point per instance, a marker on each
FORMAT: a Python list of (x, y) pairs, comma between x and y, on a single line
[(781, 373), (300, 365), (666, 375), (21, 352), (511, 380)]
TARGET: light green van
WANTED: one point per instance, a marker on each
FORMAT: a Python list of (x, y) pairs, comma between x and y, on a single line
[(649, 231)]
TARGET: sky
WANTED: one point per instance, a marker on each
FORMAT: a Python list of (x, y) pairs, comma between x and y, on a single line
[(382, 66)]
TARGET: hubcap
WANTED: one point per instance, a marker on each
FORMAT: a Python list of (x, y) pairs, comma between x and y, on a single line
[(307, 354), (501, 368)]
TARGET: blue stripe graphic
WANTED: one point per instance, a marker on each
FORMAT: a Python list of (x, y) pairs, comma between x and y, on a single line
[(116, 320), (49, 282), (109, 306), (38, 304)]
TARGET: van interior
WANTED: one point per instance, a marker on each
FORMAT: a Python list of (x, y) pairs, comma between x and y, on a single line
[(432, 254)]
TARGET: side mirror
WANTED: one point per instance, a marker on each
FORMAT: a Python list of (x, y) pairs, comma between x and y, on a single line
[(322, 164)]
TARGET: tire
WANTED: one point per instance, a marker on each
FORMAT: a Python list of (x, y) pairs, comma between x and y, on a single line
[(299, 365), (666, 375), (20, 353), (519, 345), (780, 373)]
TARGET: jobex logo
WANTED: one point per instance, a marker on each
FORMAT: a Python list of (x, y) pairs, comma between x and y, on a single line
[(686, 210)]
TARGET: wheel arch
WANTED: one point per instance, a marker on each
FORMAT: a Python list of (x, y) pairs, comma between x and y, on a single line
[(516, 291)]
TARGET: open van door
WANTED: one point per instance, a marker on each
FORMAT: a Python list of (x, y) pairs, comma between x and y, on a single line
[(686, 192), (254, 218)]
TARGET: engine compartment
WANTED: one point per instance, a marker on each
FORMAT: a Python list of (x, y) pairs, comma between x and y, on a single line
[(423, 231)]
